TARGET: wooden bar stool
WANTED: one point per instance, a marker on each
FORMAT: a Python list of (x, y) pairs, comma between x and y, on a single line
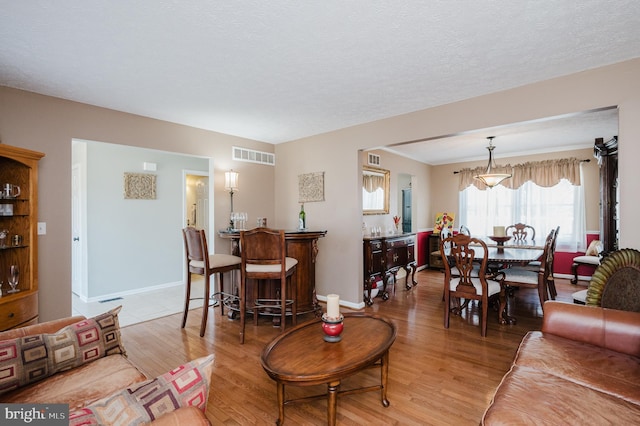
[(263, 255), (200, 262)]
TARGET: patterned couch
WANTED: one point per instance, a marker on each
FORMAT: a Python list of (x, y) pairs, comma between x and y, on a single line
[(81, 362), (582, 368)]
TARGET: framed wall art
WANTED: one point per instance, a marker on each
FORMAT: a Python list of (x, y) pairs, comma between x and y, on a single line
[(311, 187), (139, 186)]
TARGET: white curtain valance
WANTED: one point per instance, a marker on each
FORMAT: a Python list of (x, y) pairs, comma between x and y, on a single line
[(545, 173)]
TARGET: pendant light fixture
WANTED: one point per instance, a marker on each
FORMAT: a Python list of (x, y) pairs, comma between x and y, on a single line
[(489, 177)]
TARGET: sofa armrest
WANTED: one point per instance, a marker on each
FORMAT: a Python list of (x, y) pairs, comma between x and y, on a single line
[(189, 416), (606, 328), (42, 328)]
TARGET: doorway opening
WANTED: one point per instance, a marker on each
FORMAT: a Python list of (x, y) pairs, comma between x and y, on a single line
[(128, 251), (406, 206)]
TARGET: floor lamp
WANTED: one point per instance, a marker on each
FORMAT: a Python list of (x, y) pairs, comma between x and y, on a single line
[(231, 185)]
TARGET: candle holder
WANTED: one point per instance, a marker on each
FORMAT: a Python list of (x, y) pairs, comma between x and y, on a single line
[(332, 328), (500, 241)]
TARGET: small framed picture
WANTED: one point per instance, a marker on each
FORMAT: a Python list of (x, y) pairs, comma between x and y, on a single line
[(139, 186)]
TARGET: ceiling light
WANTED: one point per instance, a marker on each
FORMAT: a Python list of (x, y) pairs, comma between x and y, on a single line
[(490, 178)]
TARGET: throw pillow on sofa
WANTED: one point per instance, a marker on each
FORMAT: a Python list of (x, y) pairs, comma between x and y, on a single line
[(187, 385), (29, 359)]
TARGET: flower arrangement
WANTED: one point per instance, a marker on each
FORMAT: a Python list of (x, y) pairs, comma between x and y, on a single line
[(396, 221)]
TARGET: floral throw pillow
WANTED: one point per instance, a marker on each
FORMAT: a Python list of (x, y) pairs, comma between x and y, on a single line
[(28, 359), (146, 401)]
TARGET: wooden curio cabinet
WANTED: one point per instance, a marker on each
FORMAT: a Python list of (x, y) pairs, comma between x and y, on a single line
[(607, 154), (18, 235)]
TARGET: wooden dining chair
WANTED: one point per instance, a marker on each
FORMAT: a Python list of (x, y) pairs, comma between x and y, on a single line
[(521, 232), (200, 262), (461, 250), (263, 257), (551, 283), (592, 258), (523, 276)]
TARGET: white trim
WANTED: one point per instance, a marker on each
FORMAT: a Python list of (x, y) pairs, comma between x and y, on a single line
[(130, 292), (350, 305)]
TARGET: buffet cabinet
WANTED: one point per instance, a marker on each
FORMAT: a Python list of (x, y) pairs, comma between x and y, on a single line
[(383, 258), (18, 236)]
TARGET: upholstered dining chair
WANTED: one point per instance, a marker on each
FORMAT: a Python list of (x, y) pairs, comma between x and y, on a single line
[(521, 232), (461, 251), (542, 279), (200, 262), (591, 257), (446, 233), (263, 255)]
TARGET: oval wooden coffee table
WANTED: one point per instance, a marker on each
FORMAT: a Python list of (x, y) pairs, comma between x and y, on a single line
[(301, 357)]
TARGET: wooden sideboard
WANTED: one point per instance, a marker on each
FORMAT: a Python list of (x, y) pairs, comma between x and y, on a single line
[(302, 246), (383, 258)]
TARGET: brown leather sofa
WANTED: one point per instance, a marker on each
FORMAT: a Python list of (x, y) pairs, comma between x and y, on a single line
[(88, 383), (582, 368)]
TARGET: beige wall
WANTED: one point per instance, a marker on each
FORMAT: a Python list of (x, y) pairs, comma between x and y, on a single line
[(444, 190), (48, 125), (336, 153)]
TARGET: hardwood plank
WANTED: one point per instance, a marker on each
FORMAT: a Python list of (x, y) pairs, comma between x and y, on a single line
[(436, 376)]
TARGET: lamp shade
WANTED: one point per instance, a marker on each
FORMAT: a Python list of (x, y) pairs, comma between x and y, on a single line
[(491, 178), (231, 180)]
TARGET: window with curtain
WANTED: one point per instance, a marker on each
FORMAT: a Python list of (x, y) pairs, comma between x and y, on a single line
[(555, 199)]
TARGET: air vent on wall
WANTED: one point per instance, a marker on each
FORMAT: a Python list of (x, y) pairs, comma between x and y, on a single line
[(374, 159), (252, 156)]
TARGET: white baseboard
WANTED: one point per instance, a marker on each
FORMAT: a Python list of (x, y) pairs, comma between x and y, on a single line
[(570, 277), (129, 292), (344, 303)]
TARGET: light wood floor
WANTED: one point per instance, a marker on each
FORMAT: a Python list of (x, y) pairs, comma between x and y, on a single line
[(436, 376)]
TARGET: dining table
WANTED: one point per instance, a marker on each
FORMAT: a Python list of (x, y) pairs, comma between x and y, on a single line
[(499, 258), (513, 255), (510, 252)]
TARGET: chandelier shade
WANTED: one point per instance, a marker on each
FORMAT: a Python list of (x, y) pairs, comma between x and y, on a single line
[(489, 177)]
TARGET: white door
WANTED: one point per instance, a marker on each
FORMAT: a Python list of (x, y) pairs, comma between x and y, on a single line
[(197, 200), (78, 266)]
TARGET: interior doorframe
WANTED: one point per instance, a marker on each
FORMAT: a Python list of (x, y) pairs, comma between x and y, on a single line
[(79, 271), (185, 213)]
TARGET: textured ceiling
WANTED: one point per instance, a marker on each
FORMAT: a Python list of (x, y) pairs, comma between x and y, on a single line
[(276, 70), (570, 132)]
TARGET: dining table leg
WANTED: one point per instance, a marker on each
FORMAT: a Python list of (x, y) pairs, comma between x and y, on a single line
[(503, 313)]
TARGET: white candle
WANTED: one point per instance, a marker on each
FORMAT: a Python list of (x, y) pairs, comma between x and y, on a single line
[(498, 231), (333, 306)]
